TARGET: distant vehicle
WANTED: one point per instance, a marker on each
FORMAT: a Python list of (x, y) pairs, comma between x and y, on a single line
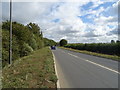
[(53, 47)]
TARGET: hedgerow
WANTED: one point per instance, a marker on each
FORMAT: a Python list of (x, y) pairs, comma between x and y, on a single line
[(105, 48)]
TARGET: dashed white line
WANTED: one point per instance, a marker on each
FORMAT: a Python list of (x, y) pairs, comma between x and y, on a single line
[(73, 55), (95, 63), (103, 66)]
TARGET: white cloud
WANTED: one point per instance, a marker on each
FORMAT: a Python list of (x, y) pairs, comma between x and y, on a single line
[(83, 1), (26, 12), (69, 26), (105, 20), (114, 9)]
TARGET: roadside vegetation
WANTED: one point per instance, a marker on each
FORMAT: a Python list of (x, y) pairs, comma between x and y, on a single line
[(25, 40), (106, 50), (32, 71), (32, 61)]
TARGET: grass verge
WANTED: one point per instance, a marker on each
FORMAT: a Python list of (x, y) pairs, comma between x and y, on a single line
[(113, 57), (33, 71)]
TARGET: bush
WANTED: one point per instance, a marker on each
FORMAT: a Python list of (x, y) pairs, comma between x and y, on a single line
[(105, 48), (33, 44), (5, 57), (25, 49)]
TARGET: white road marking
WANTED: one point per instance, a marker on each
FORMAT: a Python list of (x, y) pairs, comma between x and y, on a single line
[(58, 83), (103, 66), (95, 63), (73, 55)]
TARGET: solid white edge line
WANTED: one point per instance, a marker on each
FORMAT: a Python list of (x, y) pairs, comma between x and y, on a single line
[(96, 64), (58, 83)]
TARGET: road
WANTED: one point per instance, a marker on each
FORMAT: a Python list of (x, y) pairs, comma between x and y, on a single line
[(77, 70)]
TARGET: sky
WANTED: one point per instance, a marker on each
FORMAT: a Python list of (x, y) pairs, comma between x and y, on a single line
[(78, 21)]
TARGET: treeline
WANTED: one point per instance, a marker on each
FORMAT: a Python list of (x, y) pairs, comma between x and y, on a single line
[(105, 48), (25, 39), (49, 42)]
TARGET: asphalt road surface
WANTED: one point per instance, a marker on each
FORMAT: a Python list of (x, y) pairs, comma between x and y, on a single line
[(77, 70)]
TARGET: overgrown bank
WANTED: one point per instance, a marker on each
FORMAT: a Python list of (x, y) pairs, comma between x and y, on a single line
[(25, 40), (33, 71)]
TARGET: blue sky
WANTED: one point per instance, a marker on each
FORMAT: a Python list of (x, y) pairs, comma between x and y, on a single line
[(90, 21), (89, 6)]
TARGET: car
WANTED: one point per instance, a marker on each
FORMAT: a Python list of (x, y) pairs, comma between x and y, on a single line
[(53, 47)]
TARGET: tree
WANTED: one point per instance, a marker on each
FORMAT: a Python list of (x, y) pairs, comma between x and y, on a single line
[(117, 41), (63, 42), (112, 41), (34, 28), (25, 40)]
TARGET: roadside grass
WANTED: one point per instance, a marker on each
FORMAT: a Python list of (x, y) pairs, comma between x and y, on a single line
[(113, 57), (33, 71)]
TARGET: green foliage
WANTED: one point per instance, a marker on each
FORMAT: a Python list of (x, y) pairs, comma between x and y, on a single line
[(63, 42), (24, 40), (39, 42), (105, 48), (5, 47), (5, 57), (15, 48), (33, 43), (6, 25), (34, 28), (25, 49), (53, 78), (49, 42)]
